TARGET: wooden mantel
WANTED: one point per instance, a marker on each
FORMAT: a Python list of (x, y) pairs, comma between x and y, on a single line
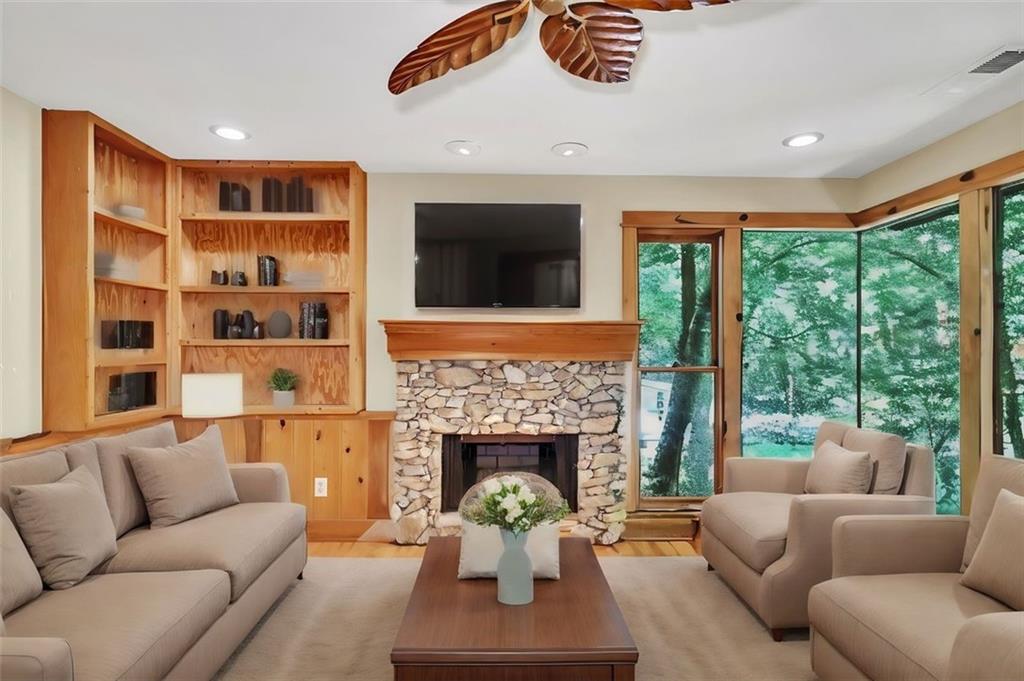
[(610, 341)]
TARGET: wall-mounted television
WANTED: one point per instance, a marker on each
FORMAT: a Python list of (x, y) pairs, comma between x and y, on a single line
[(498, 255)]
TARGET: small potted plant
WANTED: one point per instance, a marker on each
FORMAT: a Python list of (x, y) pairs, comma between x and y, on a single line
[(283, 382), (515, 506)]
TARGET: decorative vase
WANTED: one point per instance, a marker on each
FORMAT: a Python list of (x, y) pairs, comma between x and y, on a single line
[(515, 572), (286, 398)]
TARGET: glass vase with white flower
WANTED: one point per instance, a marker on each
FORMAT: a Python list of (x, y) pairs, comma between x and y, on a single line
[(515, 504)]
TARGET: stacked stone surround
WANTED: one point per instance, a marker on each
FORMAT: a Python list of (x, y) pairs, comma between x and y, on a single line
[(441, 397)]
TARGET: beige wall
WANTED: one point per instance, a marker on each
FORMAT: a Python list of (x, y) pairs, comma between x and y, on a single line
[(392, 198), (985, 141), (20, 266)]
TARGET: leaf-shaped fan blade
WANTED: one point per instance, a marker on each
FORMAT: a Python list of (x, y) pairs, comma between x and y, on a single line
[(465, 41), (594, 40), (666, 5)]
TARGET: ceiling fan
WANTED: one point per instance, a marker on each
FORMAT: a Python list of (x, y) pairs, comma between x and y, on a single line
[(596, 41)]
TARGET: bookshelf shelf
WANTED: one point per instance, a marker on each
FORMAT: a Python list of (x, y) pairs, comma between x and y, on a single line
[(264, 343), (148, 285), (102, 214), (265, 218), (265, 290)]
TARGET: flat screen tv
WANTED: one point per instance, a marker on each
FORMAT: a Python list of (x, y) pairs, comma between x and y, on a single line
[(497, 255)]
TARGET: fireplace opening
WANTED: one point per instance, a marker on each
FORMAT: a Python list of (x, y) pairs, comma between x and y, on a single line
[(468, 459)]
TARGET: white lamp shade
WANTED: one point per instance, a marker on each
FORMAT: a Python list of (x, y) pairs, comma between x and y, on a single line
[(211, 396)]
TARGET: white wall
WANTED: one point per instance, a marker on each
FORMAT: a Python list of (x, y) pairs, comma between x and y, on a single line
[(21, 272), (391, 201)]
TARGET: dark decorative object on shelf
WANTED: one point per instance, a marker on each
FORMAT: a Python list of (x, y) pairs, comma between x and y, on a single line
[(248, 324), (234, 332), (298, 197), (314, 321), (266, 269), (273, 195), (258, 331), (126, 334), (219, 278), (220, 324), (131, 391), (235, 197), (279, 325), (239, 279)]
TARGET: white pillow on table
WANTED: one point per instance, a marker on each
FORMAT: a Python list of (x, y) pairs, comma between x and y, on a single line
[(482, 547)]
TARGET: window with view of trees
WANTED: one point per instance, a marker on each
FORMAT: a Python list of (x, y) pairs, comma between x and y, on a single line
[(805, 357), (799, 338), (1009, 304), (677, 373)]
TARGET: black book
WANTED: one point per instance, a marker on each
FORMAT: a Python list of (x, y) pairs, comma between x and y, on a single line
[(289, 201), (236, 196), (225, 196), (320, 323), (303, 313), (270, 268), (267, 199), (246, 200), (308, 205), (278, 196), (259, 270)]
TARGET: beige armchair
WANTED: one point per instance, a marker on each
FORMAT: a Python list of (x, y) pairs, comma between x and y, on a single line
[(771, 543), (896, 609)]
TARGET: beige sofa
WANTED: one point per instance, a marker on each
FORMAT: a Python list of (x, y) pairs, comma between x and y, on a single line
[(896, 608), (771, 542), (174, 602)]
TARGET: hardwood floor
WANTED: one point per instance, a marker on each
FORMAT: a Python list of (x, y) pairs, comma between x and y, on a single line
[(366, 549)]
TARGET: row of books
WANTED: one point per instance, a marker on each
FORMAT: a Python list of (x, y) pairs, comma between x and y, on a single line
[(314, 322), (278, 197)]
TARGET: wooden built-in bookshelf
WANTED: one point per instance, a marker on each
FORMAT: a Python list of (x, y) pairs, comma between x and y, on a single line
[(164, 259), (90, 169)]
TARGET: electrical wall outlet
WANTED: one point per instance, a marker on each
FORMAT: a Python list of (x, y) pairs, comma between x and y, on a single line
[(320, 487)]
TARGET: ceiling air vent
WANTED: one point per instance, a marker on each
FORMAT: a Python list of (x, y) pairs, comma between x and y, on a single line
[(1000, 62)]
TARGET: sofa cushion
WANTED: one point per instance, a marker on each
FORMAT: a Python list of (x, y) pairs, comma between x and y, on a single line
[(19, 579), (127, 506), (995, 474), (830, 431), (66, 526), (241, 540), (30, 469), (185, 480), (130, 627), (752, 524), (84, 453), (836, 470), (996, 570), (888, 453), (896, 626)]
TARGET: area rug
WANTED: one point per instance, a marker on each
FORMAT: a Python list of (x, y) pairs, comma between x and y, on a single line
[(340, 621)]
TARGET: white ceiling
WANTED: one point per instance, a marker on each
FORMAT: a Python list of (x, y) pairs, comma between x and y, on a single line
[(713, 93)]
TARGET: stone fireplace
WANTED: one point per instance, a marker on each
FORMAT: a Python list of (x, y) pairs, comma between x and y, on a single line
[(501, 402)]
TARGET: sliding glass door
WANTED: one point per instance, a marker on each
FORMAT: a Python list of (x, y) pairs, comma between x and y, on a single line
[(678, 374)]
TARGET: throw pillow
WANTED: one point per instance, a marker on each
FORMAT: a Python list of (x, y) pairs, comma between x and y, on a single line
[(889, 451), (995, 569), (996, 473), (127, 507), (66, 526), (837, 470), (19, 579), (482, 547), (184, 481)]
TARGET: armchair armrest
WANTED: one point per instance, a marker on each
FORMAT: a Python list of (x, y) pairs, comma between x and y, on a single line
[(989, 648), (807, 559), (35, 659), (765, 475), (890, 545), (260, 482)]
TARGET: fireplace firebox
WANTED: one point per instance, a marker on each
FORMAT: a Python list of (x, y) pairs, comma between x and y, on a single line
[(468, 459)]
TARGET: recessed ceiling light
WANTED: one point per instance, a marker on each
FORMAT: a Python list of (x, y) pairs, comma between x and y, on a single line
[(570, 149), (229, 133), (804, 139), (463, 147)]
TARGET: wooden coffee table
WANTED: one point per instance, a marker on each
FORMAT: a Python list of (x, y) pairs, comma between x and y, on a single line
[(455, 630)]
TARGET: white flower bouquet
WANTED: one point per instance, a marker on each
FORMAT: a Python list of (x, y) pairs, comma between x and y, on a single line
[(512, 503)]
